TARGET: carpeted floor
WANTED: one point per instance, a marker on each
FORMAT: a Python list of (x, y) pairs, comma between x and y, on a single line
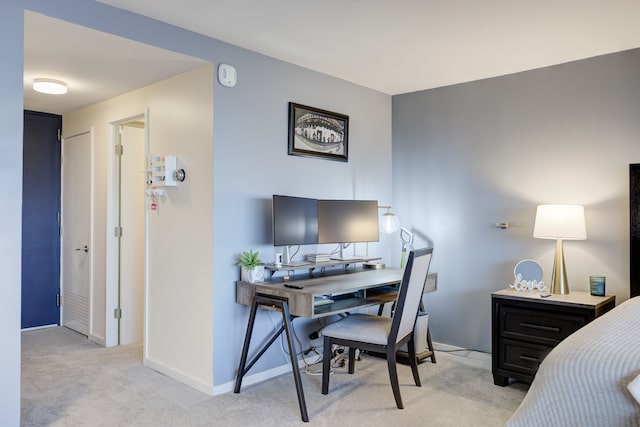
[(68, 381)]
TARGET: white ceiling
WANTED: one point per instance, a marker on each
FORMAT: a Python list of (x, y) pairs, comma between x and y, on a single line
[(95, 65), (403, 46), (392, 46)]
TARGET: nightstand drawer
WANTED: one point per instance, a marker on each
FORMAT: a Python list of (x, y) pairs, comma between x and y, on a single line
[(521, 357), (539, 326)]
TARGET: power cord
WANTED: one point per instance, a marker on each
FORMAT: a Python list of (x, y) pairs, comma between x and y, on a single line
[(337, 359)]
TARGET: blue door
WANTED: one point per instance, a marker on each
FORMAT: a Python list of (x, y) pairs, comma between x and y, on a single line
[(40, 220)]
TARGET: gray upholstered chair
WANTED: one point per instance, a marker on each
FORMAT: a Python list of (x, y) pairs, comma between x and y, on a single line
[(383, 334)]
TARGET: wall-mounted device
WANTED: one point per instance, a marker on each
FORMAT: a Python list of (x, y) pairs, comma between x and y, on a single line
[(164, 171), (227, 75)]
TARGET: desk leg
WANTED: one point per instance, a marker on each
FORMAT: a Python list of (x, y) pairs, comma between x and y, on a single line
[(245, 348), (286, 319), (283, 307)]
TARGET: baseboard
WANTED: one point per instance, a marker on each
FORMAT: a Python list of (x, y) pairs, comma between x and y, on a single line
[(96, 339), (35, 328), (460, 351), (256, 378), (283, 369), (180, 376)]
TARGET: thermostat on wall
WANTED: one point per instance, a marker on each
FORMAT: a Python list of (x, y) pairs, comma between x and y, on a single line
[(227, 75)]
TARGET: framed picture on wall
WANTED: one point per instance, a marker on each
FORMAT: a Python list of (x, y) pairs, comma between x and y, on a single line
[(318, 133)]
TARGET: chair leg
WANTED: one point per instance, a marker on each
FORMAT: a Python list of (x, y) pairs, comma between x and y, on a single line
[(326, 365), (393, 376), (352, 360), (413, 361)]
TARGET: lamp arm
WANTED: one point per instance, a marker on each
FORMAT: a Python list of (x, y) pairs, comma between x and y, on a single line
[(406, 243), (407, 238)]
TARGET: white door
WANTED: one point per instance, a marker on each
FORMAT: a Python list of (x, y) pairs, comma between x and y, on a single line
[(76, 231), (132, 221)]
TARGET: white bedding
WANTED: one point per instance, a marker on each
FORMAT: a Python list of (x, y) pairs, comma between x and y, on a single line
[(583, 381)]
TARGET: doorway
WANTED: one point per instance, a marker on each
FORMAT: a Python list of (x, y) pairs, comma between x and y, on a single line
[(41, 220), (126, 259)]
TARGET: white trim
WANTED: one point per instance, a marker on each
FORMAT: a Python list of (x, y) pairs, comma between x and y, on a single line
[(145, 326), (35, 328), (111, 252), (180, 376), (256, 378), (461, 351), (92, 213), (96, 339), (111, 288)]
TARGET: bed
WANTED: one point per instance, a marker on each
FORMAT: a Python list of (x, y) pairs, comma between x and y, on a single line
[(584, 381)]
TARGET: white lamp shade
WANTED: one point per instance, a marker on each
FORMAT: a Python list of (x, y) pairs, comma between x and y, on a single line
[(560, 222), (389, 223)]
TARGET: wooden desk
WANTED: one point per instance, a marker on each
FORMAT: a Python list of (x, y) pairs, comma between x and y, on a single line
[(349, 289)]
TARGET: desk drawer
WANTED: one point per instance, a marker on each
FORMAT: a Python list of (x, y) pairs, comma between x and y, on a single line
[(524, 358), (545, 327)]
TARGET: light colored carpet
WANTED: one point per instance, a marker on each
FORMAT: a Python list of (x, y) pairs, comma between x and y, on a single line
[(68, 381)]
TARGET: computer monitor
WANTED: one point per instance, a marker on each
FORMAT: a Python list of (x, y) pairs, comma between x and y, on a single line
[(295, 221), (347, 221)]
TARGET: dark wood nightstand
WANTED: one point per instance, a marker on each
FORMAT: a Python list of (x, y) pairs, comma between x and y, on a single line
[(525, 327)]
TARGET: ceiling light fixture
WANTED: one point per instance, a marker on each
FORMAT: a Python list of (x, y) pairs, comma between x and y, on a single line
[(50, 86)]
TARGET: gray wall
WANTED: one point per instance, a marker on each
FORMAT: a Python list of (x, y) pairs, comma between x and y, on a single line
[(11, 35), (251, 164), (470, 155)]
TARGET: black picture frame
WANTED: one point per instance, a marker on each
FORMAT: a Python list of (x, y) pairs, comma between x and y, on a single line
[(314, 132)]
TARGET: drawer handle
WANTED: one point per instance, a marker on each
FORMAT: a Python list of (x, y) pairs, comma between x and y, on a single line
[(540, 327), (529, 358)]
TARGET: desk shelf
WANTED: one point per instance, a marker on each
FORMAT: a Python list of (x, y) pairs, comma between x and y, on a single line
[(351, 289), (375, 296), (312, 266)]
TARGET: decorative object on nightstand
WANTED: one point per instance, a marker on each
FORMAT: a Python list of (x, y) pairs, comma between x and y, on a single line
[(560, 222), (527, 276), (251, 267), (596, 285)]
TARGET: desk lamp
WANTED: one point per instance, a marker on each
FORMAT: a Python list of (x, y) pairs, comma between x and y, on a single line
[(389, 223), (560, 222)]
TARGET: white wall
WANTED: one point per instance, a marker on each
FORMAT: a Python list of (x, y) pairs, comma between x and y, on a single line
[(470, 155), (180, 294), (11, 116)]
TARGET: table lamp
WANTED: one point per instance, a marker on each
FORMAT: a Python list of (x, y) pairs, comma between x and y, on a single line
[(560, 222)]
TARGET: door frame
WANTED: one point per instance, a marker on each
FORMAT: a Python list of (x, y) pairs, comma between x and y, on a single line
[(89, 131), (112, 258)]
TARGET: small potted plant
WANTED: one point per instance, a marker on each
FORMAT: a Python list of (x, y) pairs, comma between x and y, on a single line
[(251, 267)]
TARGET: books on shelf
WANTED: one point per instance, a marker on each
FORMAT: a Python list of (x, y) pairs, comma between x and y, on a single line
[(322, 300), (318, 257)]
